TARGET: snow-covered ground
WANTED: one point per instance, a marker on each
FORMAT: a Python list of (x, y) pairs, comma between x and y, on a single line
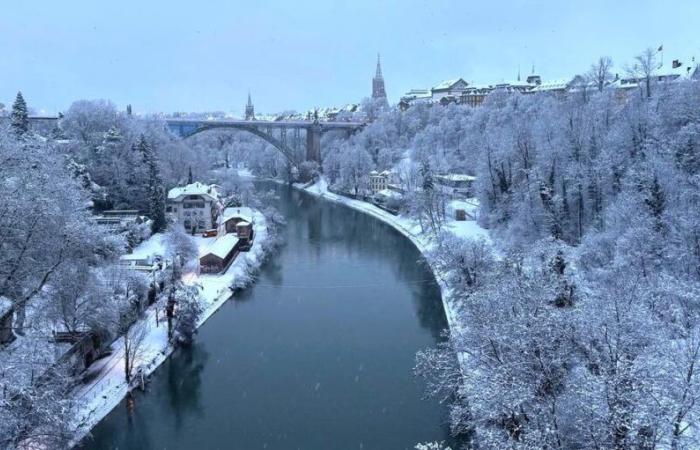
[(109, 387), (412, 230)]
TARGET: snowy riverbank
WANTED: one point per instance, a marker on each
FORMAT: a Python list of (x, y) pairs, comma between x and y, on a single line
[(411, 229), (109, 387)]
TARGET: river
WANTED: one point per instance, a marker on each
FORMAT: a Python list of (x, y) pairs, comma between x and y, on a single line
[(318, 354)]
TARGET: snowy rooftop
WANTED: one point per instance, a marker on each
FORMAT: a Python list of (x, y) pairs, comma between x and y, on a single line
[(552, 85), (456, 177), (418, 93), (196, 188), (448, 84), (147, 249), (242, 212), (221, 247), (389, 193)]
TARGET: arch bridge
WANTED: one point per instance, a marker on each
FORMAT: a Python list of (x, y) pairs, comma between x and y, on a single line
[(274, 132)]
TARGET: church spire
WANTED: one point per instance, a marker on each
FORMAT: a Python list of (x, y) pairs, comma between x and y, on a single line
[(378, 90), (249, 109)]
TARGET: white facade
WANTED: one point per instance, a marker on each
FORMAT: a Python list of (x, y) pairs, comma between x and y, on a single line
[(194, 206), (378, 181), (455, 184), (450, 88)]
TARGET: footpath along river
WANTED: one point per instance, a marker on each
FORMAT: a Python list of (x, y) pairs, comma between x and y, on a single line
[(318, 354)]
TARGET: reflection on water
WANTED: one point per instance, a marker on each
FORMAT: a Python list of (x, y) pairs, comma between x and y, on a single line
[(318, 354)]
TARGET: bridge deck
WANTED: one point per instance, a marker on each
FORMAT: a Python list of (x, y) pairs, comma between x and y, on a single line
[(233, 123)]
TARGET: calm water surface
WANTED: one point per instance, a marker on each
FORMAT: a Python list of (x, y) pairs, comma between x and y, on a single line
[(318, 354)]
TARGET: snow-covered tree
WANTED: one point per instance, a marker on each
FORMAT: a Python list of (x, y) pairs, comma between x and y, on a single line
[(19, 117), (189, 311)]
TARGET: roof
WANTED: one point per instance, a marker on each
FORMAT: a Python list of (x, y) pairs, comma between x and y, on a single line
[(417, 93), (456, 177), (5, 305), (553, 85), (196, 188), (243, 223), (240, 212), (147, 250), (221, 247), (388, 193), (447, 84)]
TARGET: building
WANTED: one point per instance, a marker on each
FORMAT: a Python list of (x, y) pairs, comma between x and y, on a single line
[(378, 181), (239, 221), (378, 90), (415, 96), (219, 255), (455, 184), (249, 109), (553, 87), (449, 88), (195, 206), (6, 309), (85, 348), (120, 218), (388, 199)]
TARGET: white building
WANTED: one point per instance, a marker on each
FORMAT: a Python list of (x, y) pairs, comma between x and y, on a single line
[(455, 184), (378, 181), (195, 206), (449, 88)]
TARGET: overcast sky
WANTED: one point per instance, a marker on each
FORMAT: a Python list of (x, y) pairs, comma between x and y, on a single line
[(206, 55)]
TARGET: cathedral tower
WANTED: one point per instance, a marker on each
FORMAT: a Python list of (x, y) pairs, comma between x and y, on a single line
[(249, 110), (378, 90)]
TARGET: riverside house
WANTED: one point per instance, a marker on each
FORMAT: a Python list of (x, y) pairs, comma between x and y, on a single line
[(218, 255), (195, 206), (239, 221)]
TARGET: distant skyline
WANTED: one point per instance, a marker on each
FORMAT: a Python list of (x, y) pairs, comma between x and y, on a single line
[(180, 56)]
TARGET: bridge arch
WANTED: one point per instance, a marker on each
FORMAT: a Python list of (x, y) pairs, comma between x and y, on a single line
[(282, 147)]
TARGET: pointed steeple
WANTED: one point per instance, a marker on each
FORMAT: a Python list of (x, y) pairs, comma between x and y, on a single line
[(249, 109), (378, 90)]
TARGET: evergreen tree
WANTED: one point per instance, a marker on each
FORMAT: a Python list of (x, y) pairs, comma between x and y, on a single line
[(19, 117), (655, 201), (156, 200), (189, 176), (112, 138)]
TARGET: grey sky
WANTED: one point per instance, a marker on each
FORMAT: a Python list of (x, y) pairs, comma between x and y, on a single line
[(205, 55)]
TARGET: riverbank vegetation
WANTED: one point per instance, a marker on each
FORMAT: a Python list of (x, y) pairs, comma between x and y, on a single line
[(59, 272), (578, 322), (580, 328)]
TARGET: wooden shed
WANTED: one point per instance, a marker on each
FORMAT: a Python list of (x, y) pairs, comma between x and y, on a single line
[(239, 221), (217, 257)]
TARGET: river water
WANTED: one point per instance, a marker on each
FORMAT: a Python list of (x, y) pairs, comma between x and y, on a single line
[(318, 354)]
